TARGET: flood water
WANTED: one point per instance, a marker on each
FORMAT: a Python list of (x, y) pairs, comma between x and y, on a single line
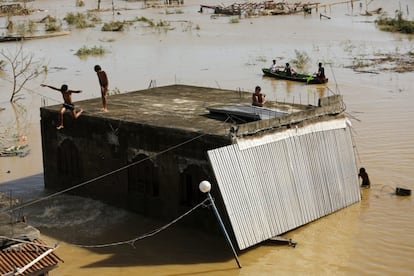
[(373, 237)]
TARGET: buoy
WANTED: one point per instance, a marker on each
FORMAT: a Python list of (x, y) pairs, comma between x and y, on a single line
[(402, 192)]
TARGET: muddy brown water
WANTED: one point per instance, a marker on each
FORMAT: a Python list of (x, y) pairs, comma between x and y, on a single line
[(373, 237)]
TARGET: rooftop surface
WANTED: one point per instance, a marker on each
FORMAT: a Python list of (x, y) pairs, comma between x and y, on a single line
[(181, 107)]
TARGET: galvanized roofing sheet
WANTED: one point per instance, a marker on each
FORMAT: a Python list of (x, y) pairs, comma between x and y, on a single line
[(278, 182)]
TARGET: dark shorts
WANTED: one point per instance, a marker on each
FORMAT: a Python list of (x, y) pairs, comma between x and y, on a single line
[(69, 106)]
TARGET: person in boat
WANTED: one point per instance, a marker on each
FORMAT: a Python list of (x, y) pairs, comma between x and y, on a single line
[(67, 102), (289, 70), (321, 72), (365, 179), (273, 67), (258, 98)]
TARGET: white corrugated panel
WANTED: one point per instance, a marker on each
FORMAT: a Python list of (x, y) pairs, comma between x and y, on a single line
[(275, 183)]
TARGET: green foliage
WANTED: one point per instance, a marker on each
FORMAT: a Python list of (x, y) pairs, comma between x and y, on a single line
[(115, 26), (93, 17), (146, 20), (79, 20), (301, 61), (80, 3), (52, 27), (162, 23), (397, 24), (93, 51)]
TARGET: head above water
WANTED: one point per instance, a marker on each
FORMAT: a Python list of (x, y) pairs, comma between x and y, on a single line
[(64, 88), (97, 68)]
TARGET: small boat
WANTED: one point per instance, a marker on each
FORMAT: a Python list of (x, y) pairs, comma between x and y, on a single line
[(309, 79), (27, 37)]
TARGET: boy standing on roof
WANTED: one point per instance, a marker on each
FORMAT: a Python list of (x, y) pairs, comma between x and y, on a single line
[(67, 102), (104, 84)]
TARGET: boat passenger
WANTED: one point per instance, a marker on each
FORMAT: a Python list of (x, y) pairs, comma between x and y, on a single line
[(321, 72), (273, 67), (289, 70), (258, 99)]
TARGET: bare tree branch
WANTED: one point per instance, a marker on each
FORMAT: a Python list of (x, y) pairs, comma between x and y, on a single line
[(23, 68)]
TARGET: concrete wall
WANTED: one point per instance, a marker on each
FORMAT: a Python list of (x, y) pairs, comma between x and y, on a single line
[(96, 152)]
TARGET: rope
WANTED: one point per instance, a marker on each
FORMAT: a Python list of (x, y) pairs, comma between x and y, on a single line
[(101, 176), (147, 235), (333, 75)]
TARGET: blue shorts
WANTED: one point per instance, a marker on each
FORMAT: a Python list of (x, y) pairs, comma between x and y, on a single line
[(69, 106)]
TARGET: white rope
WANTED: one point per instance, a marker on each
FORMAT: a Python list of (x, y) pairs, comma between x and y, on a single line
[(101, 176), (147, 235)]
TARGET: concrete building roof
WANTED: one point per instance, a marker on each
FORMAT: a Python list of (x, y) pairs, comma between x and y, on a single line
[(176, 106)]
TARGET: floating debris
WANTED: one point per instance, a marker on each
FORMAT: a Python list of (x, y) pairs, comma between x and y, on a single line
[(262, 8), (14, 9), (7, 200), (20, 151)]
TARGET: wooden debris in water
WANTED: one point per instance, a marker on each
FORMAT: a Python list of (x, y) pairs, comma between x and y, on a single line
[(261, 8), (13, 9)]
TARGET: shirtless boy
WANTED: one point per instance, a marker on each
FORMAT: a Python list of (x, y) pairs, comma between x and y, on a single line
[(67, 102), (104, 84), (258, 99)]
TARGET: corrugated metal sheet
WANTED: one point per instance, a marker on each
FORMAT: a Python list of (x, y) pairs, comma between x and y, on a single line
[(275, 183), (20, 255)]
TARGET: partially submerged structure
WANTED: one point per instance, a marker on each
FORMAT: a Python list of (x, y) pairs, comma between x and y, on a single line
[(22, 252), (273, 169)]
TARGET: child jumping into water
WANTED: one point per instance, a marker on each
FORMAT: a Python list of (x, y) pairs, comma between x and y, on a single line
[(67, 102)]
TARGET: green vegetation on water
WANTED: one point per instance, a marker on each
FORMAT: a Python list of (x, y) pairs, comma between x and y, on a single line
[(397, 24), (93, 51), (79, 20)]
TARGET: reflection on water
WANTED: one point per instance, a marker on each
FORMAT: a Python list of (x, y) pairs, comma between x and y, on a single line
[(374, 237)]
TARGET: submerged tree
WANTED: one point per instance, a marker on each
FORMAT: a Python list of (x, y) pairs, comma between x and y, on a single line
[(301, 61), (23, 68)]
